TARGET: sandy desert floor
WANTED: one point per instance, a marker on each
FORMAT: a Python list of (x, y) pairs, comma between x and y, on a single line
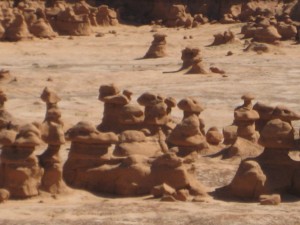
[(79, 66)]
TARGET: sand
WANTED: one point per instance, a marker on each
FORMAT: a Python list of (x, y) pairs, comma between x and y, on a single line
[(78, 67)]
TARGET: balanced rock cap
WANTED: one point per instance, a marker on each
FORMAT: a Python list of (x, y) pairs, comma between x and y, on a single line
[(85, 132), (49, 96), (190, 105), (284, 113), (131, 114), (248, 96), (171, 102), (159, 36), (148, 99), (108, 90), (28, 136)]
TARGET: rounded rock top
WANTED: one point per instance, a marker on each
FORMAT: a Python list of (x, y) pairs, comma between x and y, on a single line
[(248, 96)]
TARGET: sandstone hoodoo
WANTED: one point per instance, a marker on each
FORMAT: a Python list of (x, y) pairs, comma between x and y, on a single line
[(242, 137), (272, 172), (158, 47), (136, 160), (244, 119), (21, 173), (192, 61), (52, 133), (6, 119), (114, 102), (189, 135)]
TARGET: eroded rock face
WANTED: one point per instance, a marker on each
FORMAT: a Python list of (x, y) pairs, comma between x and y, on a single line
[(224, 11)]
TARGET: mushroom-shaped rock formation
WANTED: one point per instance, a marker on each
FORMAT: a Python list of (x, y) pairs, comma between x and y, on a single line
[(92, 166), (189, 135), (272, 172), (135, 139), (157, 116), (114, 103), (89, 148), (158, 47), (189, 56), (244, 119), (106, 16), (52, 133), (155, 109), (242, 136), (21, 171), (192, 61), (51, 99)]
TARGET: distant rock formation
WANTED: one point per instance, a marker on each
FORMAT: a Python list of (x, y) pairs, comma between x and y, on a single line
[(158, 47)]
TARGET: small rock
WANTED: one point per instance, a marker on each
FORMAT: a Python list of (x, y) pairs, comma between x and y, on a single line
[(100, 35), (270, 199), (229, 53), (161, 190), (113, 32), (4, 195), (4, 74), (216, 70)]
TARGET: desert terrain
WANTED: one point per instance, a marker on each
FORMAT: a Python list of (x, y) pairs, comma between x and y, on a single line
[(75, 68)]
